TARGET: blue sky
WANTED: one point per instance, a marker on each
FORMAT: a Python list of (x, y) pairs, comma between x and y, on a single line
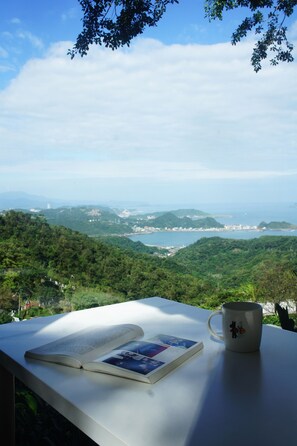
[(179, 117)]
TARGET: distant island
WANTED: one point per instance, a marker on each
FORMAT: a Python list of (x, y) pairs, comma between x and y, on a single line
[(277, 225)]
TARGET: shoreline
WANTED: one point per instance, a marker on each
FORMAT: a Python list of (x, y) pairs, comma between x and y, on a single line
[(172, 248), (226, 228)]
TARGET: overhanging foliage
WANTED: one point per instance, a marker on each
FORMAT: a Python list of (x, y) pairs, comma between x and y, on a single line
[(114, 23)]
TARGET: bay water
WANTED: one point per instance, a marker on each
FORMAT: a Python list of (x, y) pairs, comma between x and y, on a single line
[(251, 214)]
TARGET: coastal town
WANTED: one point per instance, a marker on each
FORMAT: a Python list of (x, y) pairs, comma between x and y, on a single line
[(151, 229)]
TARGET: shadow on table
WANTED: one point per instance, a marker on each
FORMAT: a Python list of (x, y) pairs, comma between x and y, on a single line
[(231, 401), (243, 402)]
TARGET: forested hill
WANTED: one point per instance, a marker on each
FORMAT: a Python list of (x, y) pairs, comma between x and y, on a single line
[(89, 220), (231, 262), (39, 259), (103, 221), (54, 264), (169, 220)]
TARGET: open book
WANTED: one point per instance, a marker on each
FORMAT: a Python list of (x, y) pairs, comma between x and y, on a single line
[(119, 350)]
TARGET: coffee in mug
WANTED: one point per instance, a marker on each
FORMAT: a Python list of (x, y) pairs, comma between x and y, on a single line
[(242, 326)]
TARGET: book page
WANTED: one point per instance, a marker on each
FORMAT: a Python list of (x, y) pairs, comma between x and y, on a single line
[(145, 357), (132, 361), (88, 343), (175, 346)]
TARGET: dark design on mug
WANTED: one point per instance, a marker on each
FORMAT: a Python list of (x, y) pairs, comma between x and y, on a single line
[(236, 329)]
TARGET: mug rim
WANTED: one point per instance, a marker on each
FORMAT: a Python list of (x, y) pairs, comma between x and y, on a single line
[(242, 306)]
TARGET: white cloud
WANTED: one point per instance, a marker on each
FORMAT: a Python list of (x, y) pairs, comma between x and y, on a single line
[(3, 52), (169, 171), (71, 13), (15, 21), (152, 111), (35, 41)]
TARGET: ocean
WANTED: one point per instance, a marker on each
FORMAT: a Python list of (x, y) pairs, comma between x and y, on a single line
[(229, 214)]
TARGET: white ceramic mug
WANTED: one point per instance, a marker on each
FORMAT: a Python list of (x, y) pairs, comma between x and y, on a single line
[(242, 326)]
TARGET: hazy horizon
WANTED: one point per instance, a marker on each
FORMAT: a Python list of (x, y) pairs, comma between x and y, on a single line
[(55, 202)]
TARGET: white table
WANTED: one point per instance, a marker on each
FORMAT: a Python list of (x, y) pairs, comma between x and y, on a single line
[(216, 398)]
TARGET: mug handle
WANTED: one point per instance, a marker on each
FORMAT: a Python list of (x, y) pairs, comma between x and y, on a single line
[(214, 333)]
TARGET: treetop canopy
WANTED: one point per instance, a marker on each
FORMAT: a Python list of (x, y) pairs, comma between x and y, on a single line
[(114, 23)]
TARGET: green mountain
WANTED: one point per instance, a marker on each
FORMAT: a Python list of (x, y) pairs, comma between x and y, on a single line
[(91, 220), (55, 265), (138, 247), (230, 262), (53, 262), (276, 225), (191, 213), (101, 221), (169, 220)]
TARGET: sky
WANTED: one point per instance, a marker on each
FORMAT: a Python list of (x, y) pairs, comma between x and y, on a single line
[(178, 117)]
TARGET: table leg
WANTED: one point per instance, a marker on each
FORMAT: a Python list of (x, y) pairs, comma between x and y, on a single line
[(7, 406)]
